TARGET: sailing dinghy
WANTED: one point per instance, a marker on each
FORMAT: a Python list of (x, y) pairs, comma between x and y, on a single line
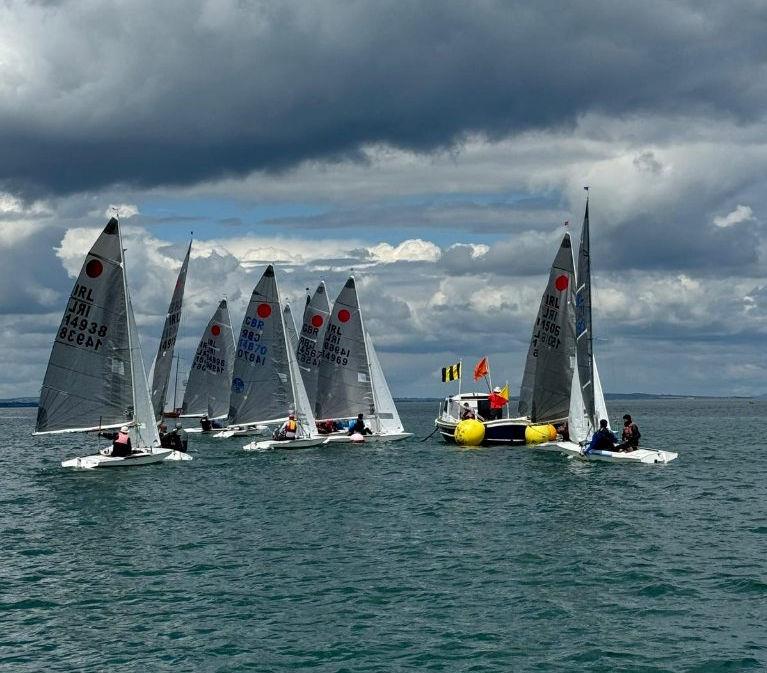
[(210, 379), (587, 402), (95, 379), (350, 378)]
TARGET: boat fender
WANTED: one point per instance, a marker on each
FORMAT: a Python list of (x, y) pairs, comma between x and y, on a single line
[(469, 432), (357, 438), (537, 434)]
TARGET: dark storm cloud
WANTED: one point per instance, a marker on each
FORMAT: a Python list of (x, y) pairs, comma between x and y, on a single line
[(97, 94)]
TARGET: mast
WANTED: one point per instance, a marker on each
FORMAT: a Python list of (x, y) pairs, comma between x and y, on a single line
[(127, 319), (370, 373), (584, 331)]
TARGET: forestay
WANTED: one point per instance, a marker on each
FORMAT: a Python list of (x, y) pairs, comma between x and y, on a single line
[(89, 383), (210, 379), (309, 350), (545, 392), (343, 383), (261, 389), (164, 358)]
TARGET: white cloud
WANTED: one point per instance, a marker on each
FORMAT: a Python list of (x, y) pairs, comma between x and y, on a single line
[(122, 210), (740, 214), (411, 250)]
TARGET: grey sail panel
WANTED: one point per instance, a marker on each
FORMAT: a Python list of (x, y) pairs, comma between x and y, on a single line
[(210, 378), (290, 327), (310, 339), (88, 383), (164, 359), (343, 384), (261, 389), (545, 391), (583, 325), (143, 431)]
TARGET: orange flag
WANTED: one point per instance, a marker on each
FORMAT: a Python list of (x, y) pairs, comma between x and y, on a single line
[(481, 369)]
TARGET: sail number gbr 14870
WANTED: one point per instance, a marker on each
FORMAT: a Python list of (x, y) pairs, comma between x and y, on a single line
[(81, 332)]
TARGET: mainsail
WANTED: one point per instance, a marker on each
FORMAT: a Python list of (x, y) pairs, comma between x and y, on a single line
[(584, 336), (545, 392), (310, 340), (261, 389), (344, 388), (307, 425), (164, 359), (89, 381), (290, 327), (210, 379)]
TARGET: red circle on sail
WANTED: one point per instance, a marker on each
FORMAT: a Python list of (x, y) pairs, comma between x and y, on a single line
[(344, 315), (264, 310), (215, 330), (561, 283), (94, 268), (317, 321)]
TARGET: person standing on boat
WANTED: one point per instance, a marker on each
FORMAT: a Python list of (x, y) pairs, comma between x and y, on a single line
[(603, 439), (121, 444), (359, 427), (630, 435)]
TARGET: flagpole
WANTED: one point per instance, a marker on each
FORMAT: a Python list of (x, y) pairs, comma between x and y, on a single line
[(460, 375)]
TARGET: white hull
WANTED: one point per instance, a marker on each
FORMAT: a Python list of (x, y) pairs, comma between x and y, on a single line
[(99, 460), (178, 455), (646, 456), (267, 444), (253, 431), (375, 437)]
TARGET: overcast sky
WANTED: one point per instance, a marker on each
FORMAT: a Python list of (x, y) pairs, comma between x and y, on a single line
[(436, 148)]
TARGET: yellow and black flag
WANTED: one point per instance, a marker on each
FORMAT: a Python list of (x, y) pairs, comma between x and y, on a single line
[(451, 372)]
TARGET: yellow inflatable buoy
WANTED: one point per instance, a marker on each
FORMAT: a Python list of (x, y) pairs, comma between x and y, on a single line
[(537, 434), (470, 432)]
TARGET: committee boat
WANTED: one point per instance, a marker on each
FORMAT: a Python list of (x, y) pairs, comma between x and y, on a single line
[(500, 428), (587, 403), (95, 380), (350, 379)]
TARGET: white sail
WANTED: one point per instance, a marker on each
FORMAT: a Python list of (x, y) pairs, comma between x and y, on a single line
[(89, 384), (600, 406), (290, 327), (386, 414), (210, 378), (143, 431), (578, 424), (164, 359)]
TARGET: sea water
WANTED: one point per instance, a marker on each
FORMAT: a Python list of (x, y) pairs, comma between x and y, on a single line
[(391, 557)]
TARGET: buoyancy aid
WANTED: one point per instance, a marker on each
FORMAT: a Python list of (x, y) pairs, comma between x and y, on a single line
[(290, 428), (122, 438)]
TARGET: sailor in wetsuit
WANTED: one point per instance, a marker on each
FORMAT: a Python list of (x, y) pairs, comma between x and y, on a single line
[(630, 435)]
